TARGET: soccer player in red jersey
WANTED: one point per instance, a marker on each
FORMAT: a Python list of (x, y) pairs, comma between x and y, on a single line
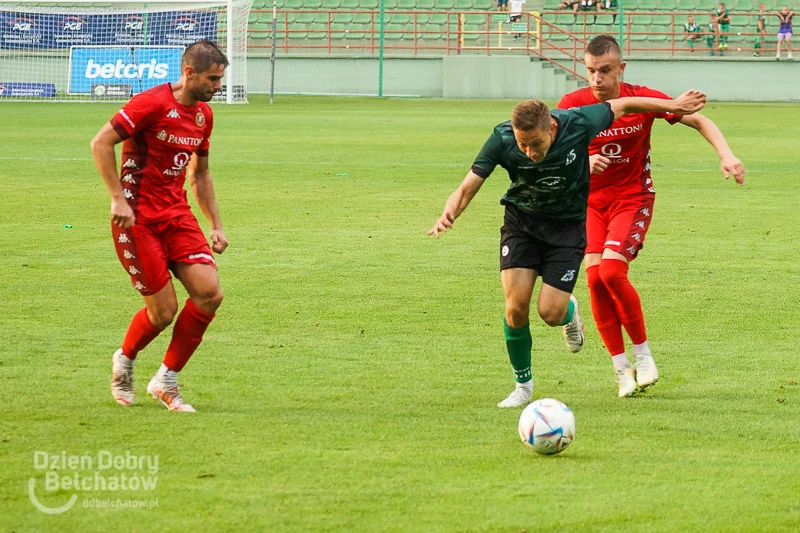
[(621, 198), (165, 134)]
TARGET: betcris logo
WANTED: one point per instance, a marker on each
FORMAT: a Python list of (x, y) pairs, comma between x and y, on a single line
[(141, 67)]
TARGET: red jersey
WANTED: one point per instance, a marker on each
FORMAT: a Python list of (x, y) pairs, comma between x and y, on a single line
[(160, 137), (626, 143)]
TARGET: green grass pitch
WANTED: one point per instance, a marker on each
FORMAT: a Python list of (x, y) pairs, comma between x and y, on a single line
[(350, 379)]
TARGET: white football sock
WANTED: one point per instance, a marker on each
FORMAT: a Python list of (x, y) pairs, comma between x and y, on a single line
[(620, 361), (528, 385), (639, 349)]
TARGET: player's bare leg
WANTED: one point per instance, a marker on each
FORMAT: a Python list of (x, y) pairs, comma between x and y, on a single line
[(159, 310), (205, 296), (518, 287), (560, 308)]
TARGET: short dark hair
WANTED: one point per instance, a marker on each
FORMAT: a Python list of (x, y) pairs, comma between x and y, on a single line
[(531, 115), (602, 45), (202, 55)]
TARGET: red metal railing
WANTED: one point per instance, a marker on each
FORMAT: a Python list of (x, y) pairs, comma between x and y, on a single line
[(556, 37)]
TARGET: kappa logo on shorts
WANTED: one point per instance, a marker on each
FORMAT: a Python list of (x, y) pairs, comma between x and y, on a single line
[(127, 255), (133, 270), (128, 179), (139, 286), (123, 238), (130, 163), (504, 251), (569, 276), (128, 194), (632, 250), (637, 236), (640, 224), (645, 211)]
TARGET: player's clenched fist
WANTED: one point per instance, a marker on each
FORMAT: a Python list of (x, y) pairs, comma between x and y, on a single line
[(689, 102), (122, 214), (218, 241), (598, 163)]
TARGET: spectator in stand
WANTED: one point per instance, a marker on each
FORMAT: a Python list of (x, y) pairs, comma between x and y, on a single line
[(517, 8), (572, 5), (691, 32), (723, 20), (784, 31), (502, 5), (610, 4), (761, 22), (711, 37)]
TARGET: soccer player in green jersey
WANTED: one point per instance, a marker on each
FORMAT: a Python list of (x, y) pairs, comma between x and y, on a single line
[(691, 31), (723, 19), (545, 153)]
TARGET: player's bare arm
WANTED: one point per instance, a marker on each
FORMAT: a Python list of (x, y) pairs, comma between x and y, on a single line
[(689, 102), (199, 176), (457, 203), (729, 163), (106, 161)]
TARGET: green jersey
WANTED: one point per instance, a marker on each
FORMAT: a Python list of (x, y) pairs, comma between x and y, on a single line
[(691, 28), (723, 17), (558, 187)]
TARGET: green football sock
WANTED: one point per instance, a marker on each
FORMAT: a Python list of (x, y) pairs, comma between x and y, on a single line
[(691, 43), (519, 344), (570, 313)]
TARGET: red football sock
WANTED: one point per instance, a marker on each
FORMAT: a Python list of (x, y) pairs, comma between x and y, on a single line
[(605, 313), (192, 322), (140, 333), (614, 274)]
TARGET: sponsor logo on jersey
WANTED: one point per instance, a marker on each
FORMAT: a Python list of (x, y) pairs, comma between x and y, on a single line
[(181, 159), (173, 113), (179, 139), (200, 119), (571, 157), (162, 135), (625, 130), (124, 115), (611, 150)]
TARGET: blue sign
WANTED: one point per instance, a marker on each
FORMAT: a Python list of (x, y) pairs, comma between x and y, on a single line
[(141, 67), (42, 31), (30, 90)]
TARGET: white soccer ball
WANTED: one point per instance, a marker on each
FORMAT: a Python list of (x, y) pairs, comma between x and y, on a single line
[(547, 426)]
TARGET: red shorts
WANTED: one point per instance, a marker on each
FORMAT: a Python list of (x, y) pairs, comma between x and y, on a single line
[(149, 251), (621, 226)]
